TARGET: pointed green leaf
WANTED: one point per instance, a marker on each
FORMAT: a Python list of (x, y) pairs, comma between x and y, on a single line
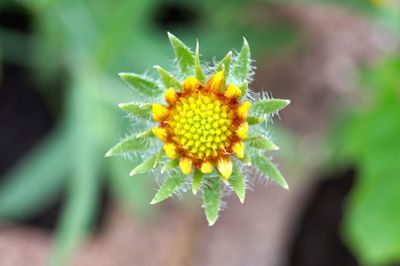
[(170, 186), (141, 84), (147, 165), (225, 64), (168, 79), (137, 110), (130, 144), (237, 182), (261, 142), (212, 200), (145, 134), (170, 165), (268, 169), (243, 88), (241, 67), (183, 55), (267, 107), (246, 160), (197, 178), (199, 72), (253, 120)]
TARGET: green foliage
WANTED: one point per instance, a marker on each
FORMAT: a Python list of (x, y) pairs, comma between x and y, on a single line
[(147, 165), (212, 200), (268, 169), (225, 64), (199, 71), (370, 140)]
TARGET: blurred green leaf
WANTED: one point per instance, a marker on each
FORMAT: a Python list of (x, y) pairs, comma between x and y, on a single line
[(170, 186), (370, 140), (268, 169), (243, 88), (38, 178), (237, 182), (171, 164), (183, 55), (141, 84), (253, 120), (212, 199)]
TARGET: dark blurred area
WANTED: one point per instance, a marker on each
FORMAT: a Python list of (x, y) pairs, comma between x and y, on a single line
[(63, 203)]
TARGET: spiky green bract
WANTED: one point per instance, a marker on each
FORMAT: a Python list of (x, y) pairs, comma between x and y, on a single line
[(238, 183), (268, 107), (141, 84), (173, 182), (209, 177), (268, 169), (212, 199)]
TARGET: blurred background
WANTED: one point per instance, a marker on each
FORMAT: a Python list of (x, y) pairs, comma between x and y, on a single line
[(63, 203)]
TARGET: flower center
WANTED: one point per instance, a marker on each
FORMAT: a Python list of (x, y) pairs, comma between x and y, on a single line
[(201, 124)]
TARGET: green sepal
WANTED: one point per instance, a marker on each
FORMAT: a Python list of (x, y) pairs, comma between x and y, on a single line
[(254, 120), (197, 179), (183, 55), (199, 71), (170, 186), (139, 83), (243, 88), (142, 111), (268, 107), (245, 160), (147, 165), (145, 134), (167, 79), (268, 169), (237, 182), (171, 164), (225, 64), (212, 199), (262, 143), (133, 143), (241, 66)]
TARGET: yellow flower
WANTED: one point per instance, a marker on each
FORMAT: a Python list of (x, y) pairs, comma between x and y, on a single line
[(203, 125)]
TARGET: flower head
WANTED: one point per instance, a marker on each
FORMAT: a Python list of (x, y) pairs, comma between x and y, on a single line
[(202, 127)]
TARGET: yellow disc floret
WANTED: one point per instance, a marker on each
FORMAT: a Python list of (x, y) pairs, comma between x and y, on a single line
[(203, 126)]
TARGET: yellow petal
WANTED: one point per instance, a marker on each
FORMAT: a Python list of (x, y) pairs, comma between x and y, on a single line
[(170, 96), (206, 167), (160, 133), (170, 150), (190, 84), (243, 109), (186, 165), (216, 81), (238, 149), (232, 92), (242, 130), (159, 112), (224, 166)]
